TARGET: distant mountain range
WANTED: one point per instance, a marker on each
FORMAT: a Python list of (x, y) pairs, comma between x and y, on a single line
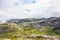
[(38, 25), (41, 21), (53, 22)]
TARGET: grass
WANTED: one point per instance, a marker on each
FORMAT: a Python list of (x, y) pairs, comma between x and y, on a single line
[(23, 32)]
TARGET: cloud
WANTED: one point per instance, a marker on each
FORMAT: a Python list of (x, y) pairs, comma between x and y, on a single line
[(29, 8), (29, 1)]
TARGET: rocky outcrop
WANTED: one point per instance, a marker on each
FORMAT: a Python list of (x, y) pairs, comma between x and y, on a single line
[(45, 37)]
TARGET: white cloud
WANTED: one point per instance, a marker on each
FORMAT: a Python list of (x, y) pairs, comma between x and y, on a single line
[(18, 8)]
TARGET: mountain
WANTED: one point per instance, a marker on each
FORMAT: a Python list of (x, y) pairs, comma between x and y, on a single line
[(41, 21), (53, 22), (31, 28)]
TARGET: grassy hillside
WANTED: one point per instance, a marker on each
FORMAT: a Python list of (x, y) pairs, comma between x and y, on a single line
[(12, 31)]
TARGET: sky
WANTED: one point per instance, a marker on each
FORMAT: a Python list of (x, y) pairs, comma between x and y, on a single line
[(11, 9)]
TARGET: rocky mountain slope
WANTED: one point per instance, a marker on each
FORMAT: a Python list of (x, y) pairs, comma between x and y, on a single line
[(53, 22), (12, 31), (31, 28), (37, 22)]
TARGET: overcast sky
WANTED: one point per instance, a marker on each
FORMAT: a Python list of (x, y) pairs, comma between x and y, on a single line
[(10, 9)]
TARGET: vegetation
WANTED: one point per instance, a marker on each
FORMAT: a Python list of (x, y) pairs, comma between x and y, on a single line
[(12, 31)]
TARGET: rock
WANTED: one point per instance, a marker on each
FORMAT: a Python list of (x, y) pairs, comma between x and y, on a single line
[(43, 37), (57, 31)]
